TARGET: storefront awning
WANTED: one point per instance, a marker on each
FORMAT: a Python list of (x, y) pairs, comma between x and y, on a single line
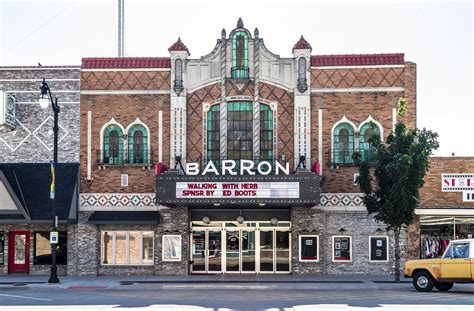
[(126, 218), (175, 189)]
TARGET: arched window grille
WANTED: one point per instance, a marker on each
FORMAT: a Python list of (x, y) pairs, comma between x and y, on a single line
[(240, 55), (213, 134), (366, 132), (113, 145), (266, 133), (138, 151), (343, 145)]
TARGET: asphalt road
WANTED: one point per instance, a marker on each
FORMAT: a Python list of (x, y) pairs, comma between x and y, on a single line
[(238, 299)]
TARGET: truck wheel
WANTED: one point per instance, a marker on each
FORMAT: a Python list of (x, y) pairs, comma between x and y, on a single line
[(423, 281), (444, 286)]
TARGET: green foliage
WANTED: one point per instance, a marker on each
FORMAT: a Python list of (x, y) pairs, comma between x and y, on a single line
[(400, 166)]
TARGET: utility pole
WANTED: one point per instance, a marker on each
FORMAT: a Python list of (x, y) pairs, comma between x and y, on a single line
[(121, 28)]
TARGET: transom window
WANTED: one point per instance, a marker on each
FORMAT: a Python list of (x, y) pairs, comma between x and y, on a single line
[(239, 130), (240, 66)]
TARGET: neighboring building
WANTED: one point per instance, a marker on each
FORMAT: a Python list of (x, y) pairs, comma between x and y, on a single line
[(446, 209), (239, 102), (26, 148)]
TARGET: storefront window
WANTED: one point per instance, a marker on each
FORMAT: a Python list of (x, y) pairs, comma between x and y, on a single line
[(171, 248), (341, 248), (2, 247), (42, 251), (127, 248), (437, 231), (309, 248)]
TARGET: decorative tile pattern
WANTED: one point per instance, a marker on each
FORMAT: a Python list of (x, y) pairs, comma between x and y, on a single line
[(117, 199), (125, 80), (341, 199), (357, 77)]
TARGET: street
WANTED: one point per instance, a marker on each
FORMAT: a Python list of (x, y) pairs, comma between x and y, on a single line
[(260, 297)]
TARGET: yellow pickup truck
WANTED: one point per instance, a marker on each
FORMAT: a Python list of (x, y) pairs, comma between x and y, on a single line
[(456, 265)]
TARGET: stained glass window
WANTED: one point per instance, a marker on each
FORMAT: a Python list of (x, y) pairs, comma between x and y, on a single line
[(266, 133), (213, 134), (366, 133), (239, 130), (138, 151), (240, 55), (113, 145), (343, 144)]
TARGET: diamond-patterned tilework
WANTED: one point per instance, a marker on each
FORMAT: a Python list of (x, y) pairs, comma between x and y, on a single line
[(357, 77), (125, 80), (117, 199), (44, 133), (14, 139)]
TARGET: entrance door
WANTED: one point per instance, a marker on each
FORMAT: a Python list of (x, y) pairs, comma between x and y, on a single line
[(274, 251), (19, 252), (206, 252)]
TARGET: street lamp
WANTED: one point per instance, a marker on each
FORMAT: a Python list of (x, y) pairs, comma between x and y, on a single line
[(44, 101)]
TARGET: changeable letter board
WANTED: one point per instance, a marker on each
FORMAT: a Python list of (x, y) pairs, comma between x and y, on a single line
[(342, 248), (378, 248), (309, 247)]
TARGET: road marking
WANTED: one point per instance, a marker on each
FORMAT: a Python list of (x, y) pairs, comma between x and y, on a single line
[(25, 297)]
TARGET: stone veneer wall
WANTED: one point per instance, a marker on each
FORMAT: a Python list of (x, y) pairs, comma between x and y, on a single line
[(34, 269), (358, 224), (87, 246), (32, 140)]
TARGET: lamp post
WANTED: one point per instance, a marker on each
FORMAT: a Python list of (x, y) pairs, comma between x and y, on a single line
[(44, 101)]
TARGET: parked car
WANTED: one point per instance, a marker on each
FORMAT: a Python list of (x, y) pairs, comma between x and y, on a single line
[(456, 265)]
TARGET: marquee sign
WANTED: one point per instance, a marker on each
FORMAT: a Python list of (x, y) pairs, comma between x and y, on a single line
[(457, 182), (301, 188), (262, 190)]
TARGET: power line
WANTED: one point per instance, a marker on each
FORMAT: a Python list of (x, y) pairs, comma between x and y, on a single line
[(39, 28)]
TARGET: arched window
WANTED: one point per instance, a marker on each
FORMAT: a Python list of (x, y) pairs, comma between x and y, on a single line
[(266, 133), (213, 134), (366, 132), (178, 76), (240, 55), (343, 147), (239, 130), (113, 145), (138, 151)]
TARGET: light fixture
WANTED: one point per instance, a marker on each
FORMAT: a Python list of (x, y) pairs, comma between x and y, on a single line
[(206, 220), (240, 219), (261, 204), (274, 221), (217, 204), (44, 99)]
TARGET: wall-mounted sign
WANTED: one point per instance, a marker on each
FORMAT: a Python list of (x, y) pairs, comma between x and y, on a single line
[(468, 196), (9, 111), (233, 190), (241, 167), (378, 248), (457, 182)]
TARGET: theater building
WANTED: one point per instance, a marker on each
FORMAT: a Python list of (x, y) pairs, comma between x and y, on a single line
[(238, 161)]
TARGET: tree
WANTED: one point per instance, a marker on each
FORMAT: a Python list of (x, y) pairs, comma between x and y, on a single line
[(391, 188)]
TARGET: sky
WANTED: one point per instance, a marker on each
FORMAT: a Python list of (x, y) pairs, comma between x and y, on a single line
[(437, 36)]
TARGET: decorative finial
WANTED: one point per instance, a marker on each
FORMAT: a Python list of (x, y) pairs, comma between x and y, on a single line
[(223, 34), (240, 23), (255, 33)]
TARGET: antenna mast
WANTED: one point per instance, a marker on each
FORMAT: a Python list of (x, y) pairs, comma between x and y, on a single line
[(121, 28)]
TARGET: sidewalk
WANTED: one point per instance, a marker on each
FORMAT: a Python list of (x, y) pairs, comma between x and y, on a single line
[(218, 282)]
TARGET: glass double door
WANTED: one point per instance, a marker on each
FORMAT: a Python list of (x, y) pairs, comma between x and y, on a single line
[(206, 252), (241, 251)]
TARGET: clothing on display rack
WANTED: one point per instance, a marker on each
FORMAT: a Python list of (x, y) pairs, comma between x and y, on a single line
[(433, 247)]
